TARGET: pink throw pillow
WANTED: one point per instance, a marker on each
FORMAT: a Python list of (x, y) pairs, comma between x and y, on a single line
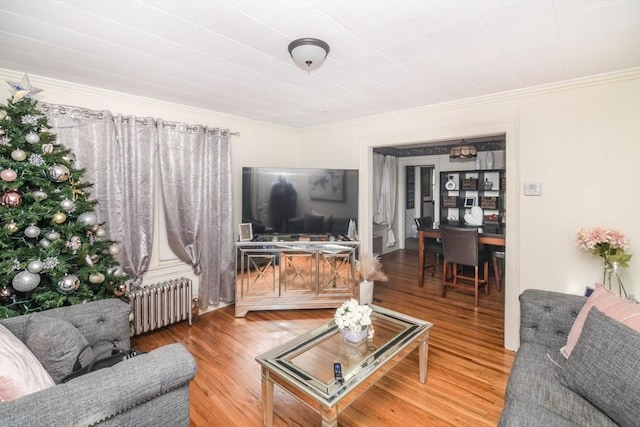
[(20, 372), (620, 309)]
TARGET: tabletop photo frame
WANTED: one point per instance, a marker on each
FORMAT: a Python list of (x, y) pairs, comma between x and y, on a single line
[(246, 232)]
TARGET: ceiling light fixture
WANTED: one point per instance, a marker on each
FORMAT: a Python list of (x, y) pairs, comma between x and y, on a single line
[(463, 151), (308, 53)]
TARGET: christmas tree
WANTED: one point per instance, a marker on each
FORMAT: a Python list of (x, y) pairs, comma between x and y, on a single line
[(53, 251)]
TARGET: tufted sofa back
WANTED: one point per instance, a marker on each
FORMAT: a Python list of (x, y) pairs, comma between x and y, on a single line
[(546, 317)]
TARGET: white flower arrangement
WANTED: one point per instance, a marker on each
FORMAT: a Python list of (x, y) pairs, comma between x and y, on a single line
[(353, 316)]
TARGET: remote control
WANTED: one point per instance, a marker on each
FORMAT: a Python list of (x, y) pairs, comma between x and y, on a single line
[(337, 372)]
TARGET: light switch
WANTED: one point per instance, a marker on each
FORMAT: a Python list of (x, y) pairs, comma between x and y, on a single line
[(533, 189)]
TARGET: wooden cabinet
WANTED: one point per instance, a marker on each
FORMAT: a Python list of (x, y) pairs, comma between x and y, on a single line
[(460, 190), (293, 274)]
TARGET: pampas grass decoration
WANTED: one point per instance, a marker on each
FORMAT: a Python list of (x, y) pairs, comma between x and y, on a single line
[(369, 267)]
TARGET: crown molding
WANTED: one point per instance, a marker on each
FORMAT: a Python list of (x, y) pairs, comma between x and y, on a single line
[(565, 85), (62, 85)]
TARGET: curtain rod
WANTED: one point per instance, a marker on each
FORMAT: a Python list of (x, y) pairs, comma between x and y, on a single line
[(99, 115)]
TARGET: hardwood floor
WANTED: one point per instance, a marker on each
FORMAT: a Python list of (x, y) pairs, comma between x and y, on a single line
[(467, 367)]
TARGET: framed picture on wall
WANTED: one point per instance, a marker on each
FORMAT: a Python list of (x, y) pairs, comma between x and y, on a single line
[(246, 232), (469, 202)]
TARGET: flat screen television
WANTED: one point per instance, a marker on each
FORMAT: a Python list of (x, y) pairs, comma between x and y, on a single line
[(299, 201)]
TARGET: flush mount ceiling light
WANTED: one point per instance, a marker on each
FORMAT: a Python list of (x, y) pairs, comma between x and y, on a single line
[(463, 151), (308, 53)]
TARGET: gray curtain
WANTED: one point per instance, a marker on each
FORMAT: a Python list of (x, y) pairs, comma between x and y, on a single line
[(195, 177), (138, 145), (117, 155)]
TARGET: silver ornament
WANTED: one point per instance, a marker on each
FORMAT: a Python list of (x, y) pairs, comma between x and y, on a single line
[(52, 235), (18, 155), (5, 293), (68, 283), (32, 138), (45, 243), (100, 232), (39, 195), (32, 231), (59, 173), (67, 205), (114, 249), (25, 281), (88, 218), (35, 266)]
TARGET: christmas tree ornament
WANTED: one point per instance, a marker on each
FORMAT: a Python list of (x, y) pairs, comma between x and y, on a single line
[(8, 175), (39, 195), (96, 278), (47, 148), (88, 218), (52, 235), (75, 243), (59, 173), (12, 198), (11, 227), (91, 260), (36, 159), (44, 243), (69, 283), (67, 205), (120, 289), (69, 158), (32, 231), (5, 293), (18, 155), (114, 249), (35, 266), (59, 218), (23, 89), (100, 232), (32, 138), (25, 281)]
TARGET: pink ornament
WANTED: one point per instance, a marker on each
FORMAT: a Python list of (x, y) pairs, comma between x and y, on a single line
[(12, 198), (8, 175)]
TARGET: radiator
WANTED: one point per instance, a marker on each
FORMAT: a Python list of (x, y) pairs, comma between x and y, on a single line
[(160, 304)]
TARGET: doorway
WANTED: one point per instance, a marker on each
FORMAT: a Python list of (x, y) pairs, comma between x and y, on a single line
[(420, 190)]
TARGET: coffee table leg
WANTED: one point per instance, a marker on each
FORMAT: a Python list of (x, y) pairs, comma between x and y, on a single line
[(267, 399), (329, 416), (423, 353)]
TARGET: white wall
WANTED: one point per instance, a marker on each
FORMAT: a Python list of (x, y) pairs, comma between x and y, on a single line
[(580, 140), (259, 144)]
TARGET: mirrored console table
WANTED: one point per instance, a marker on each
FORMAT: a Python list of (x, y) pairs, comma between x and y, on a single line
[(288, 274)]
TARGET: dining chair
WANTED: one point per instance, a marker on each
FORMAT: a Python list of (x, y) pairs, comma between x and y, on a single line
[(431, 246), (461, 248), (498, 267)]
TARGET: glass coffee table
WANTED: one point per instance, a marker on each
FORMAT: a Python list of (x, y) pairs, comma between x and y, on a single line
[(304, 366)]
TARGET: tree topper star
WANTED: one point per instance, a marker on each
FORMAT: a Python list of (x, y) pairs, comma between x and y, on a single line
[(23, 89)]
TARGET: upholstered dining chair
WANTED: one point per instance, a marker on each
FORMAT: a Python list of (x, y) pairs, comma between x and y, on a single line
[(461, 248), (431, 246)]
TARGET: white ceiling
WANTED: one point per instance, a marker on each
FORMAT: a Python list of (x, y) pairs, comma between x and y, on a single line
[(386, 55)]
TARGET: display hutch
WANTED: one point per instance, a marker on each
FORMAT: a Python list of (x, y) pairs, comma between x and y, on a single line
[(461, 190)]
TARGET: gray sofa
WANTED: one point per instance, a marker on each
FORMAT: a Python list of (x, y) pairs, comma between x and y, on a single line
[(150, 389), (537, 394)]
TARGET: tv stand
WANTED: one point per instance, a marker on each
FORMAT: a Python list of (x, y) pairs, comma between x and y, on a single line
[(281, 273)]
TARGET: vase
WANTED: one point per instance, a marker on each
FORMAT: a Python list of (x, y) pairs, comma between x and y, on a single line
[(355, 337), (489, 160), (610, 270), (366, 292)]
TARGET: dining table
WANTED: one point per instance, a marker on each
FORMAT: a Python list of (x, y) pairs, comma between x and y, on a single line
[(491, 236)]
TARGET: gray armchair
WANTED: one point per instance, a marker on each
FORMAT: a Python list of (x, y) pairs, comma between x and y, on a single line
[(148, 390)]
